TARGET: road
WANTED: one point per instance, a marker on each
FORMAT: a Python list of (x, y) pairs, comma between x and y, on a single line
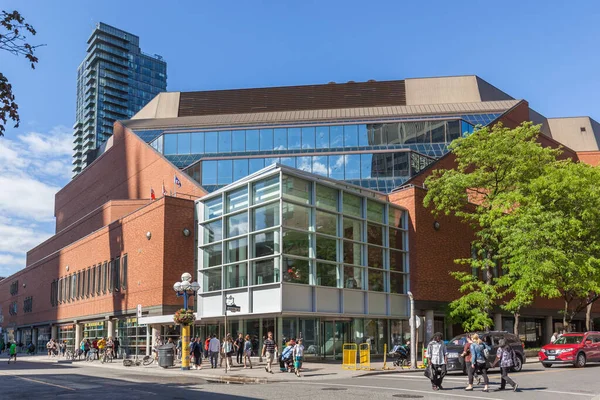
[(33, 380)]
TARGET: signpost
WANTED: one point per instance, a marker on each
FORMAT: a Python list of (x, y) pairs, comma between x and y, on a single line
[(229, 306)]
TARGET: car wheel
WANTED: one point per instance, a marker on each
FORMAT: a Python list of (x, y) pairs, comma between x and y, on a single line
[(518, 365), (580, 362), (546, 365)]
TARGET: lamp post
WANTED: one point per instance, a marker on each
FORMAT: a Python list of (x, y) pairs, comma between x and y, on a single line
[(229, 306), (186, 288), (413, 330)]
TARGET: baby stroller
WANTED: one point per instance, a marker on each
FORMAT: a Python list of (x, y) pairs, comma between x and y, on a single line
[(401, 355), (286, 360)]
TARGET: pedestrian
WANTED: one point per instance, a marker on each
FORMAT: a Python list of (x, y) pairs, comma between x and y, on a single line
[(437, 357), (95, 348), (63, 347), (116, 344), (298, 356), (506, 356), (50, 347), (157, 343), (468, 357), (247, 351), (479, 351), (214, 347), (269, 349), (196, 352), (12, 352), (178, 348), (82, 348), (228, 350), (239, 348), (554, 337)]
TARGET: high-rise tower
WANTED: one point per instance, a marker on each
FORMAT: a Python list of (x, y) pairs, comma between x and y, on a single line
[(114, 81)]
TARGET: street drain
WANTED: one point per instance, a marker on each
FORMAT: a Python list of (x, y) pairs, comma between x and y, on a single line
[(334, 388), (408, 396)]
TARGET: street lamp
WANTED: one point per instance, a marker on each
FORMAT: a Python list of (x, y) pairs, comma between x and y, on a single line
[(413, 333), (186, 288), (229, 306)]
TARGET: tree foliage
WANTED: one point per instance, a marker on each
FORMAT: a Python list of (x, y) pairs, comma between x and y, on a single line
[(494, 164), (13, 39)]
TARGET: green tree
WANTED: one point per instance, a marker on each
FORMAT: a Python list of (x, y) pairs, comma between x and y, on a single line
[(493, 163), (551, 241), (13, 31)]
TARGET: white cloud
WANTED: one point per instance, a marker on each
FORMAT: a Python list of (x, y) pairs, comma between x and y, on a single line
[(33, 167)]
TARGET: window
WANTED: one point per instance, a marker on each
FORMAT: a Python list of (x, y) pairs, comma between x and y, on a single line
[(294, 138), (170, 144), (396, 217), (265, 190), (252, 140), (213, 231), (296, 189), (198, 143), (296, 243), (209, 172), (327, 198), (266, 217), (375, 234), (240, 168), (280, 139), (336, 136), (60, 290), (295, 216), (397, 283), (124, 272), (326, 223), (264, 272), (326, 248), (375, 257), (266, 139), (224, 142), (237, 224), (237, 250), (352, 164), (266, 244), (352, 253), (212, 279), (376, 282), (236, 276), (212, 255), (322, 137), (326, 274), (213, 208), (397, 261), (237, 200), (211, 142), (353, 277), (238, 141), (224, 172), (98, 279), (117, 274), (319, 165), (295, 271), (308, 138), (352, 229), (375, 211), (104, 276), (183, 143), (255, 164), (78, 285), (396, 238), (363, 139), (352, 205), (83, 283), (350, 136)]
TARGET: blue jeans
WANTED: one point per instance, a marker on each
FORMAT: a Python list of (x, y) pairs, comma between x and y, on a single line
[(214, 357)]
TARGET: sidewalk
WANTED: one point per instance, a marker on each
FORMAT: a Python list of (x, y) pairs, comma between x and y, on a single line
[(311, 371)]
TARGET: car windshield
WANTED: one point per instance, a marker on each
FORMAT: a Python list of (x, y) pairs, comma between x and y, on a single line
[(569, 340), (458, 341)]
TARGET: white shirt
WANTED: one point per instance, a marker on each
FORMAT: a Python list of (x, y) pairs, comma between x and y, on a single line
[(214, 345)]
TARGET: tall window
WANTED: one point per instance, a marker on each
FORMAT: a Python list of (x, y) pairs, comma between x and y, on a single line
[(117, 274), (111, 273), (104, 276), (124, 272)]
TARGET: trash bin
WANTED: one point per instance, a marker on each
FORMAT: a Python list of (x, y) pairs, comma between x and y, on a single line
[(166, 355)]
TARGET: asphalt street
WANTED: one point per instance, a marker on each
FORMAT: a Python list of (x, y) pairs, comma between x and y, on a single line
[(34, 380)]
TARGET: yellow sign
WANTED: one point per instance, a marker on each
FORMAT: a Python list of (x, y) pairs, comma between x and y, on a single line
[(94, 324), (349, 356)]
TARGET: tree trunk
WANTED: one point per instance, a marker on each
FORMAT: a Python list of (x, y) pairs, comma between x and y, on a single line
[(588, 317), (516, 326), (566, 328)]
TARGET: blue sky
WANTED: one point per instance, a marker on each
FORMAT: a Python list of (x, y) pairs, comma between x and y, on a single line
[(542, 51)]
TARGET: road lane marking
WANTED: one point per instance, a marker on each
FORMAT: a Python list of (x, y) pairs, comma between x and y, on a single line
[(442, 393), (42, 382), (416, 378), (569, 393)]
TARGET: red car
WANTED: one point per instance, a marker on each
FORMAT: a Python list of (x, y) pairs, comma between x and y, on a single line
[(572, 348)]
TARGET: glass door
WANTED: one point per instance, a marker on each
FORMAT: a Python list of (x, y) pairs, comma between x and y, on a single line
[(333, 336)]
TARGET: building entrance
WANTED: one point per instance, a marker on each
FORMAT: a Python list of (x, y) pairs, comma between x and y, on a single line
[(334, 335)]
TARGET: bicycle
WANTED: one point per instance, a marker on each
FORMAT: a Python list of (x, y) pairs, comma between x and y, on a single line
[(146, 360), (91, 356), (107, 356)]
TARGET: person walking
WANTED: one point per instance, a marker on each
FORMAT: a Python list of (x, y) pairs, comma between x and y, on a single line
[(269, 349), (298, 356), (116, 344), (506, 356), (206, 342), (239, 349), (247, 351), (437, 358), (214, 347), (479, 360), (228, 350), (196, 352), (468, 357), (12, 352)]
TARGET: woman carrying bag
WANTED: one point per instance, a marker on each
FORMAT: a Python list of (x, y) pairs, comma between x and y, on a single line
[(479, 351), (506, 355)]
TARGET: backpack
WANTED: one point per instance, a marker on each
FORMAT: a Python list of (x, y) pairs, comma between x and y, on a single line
[(485, 350)]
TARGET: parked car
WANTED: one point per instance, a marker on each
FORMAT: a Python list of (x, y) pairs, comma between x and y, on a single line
[(572, 348), (456, 345)]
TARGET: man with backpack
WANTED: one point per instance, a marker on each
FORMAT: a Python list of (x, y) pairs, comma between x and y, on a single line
[(437, 359), (479, 355), (506, 355)]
